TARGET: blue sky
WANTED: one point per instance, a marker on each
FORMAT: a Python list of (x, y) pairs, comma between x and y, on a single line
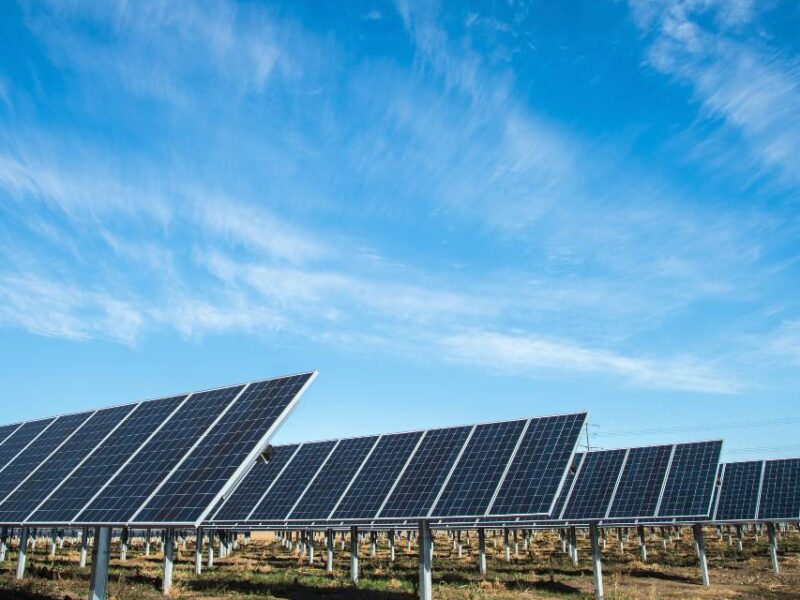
[(455, 212)]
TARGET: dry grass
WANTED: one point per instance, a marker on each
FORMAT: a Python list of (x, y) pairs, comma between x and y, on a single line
[(263, 569)]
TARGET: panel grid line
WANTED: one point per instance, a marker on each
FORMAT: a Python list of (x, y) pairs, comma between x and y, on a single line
[(400, 475), (616, 485), (355, 476), (507, 467), (272, 484), (36, 437), (760, 487), (572, 486), (452, 470), (47, 458), (83, 461), (12, 433), (312, 480), (723, 470), (237, 475), (188, 453), (666, 479), (133, 455)]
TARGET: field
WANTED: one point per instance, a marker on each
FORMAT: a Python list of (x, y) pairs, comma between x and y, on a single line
[(264, 569)]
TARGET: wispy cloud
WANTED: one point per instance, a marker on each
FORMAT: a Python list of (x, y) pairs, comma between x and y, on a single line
[(534, 355), (750, 87)]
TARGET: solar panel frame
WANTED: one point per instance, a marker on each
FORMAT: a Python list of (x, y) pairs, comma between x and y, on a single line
[(37, 452), (331, 484), (739, 491), (689, 486), (284, 491), (51, 515), (225, 452), (21, 439), (597, 479), (779, 500), (255, 485)]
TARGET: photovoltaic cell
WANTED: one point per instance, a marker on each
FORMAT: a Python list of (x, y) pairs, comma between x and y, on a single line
[(41, 482), (641, 482), (78, 489), (27, 461), (244, 499), (23, 436), (5, 433), (691, 479), (330, 484), (477, 474), (377, 476), (568, 481), (129, 489), (780, 493), (738, 494), (195, 484), (287, 489), (595, 485), (419, 485), (538, 466)]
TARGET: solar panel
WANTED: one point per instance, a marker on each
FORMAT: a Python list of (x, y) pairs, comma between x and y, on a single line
[(780, 491), (18, 505), (561, 501), (376, 477), (130, 487), (254, 417), (641, 482), (594, 486), (477, 474), (29, 459), (416, 490), (63, 505), (168, 461), (6, 431), (690, 485), (739, 491), (404, 476), (537, 469), (277, 503), (238, 505), (321, 497), (20, 439)]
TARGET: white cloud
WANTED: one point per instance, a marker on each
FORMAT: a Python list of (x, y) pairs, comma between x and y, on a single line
[(64, 310), (754, 90), (536, 356)]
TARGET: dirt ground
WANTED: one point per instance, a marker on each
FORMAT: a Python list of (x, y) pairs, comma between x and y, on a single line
[(263, 569)]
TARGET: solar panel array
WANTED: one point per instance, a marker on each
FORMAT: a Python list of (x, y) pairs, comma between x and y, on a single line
[(164, 461), (766, 490), (493, 469), (639, 484)]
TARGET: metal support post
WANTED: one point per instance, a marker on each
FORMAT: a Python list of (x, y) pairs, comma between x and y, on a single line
[(482, 551), (23, 553), (101, 552), (597, 564), (84, 546), (773, 548), (425, 561), (198, 552), (169, 565), (329, 548), (700, 545), (642, 546), (354, 554)]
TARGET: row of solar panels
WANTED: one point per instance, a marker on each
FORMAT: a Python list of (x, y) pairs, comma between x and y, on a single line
[(366, 481), (161, 461), (489, 470)]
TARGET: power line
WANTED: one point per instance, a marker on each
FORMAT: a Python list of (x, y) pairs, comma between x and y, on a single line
[(751, 424)]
